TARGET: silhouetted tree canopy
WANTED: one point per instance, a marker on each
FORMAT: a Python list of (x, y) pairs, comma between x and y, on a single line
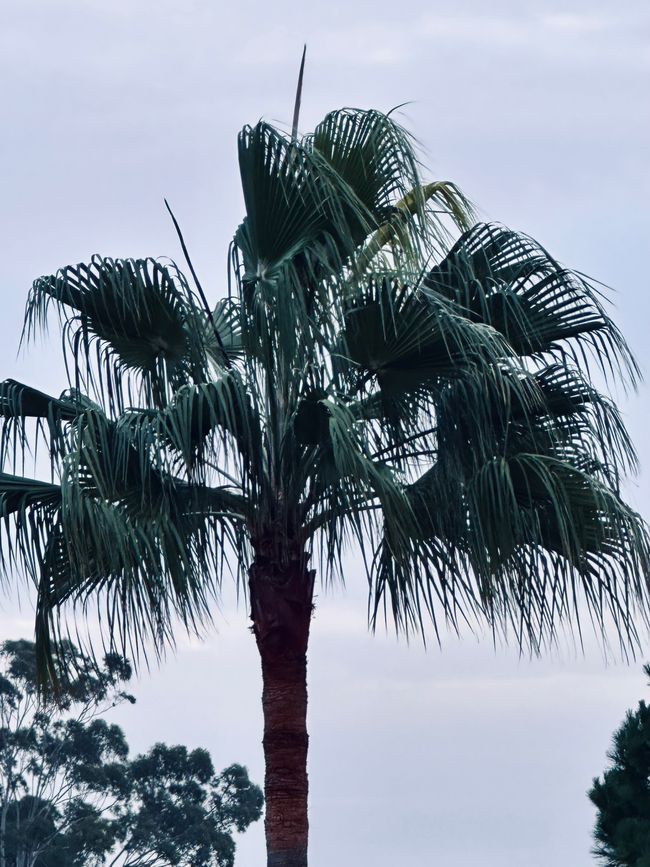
[(622, 797), (71, 797)]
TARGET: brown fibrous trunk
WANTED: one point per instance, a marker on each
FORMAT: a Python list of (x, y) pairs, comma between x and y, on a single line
[(281, 606)]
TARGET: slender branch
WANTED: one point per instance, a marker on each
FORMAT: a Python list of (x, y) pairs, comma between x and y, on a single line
[(396, 446), (235, 481), (198, 284), (320, 519)]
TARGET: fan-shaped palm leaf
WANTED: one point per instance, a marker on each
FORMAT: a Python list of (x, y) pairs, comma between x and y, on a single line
[(139, 316)]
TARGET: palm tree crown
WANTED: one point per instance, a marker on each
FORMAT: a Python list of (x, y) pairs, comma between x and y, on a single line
[(382, 371)]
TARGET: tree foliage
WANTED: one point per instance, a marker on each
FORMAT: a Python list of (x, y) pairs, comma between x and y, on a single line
[(71, 797), (622, 797), (382, 371)]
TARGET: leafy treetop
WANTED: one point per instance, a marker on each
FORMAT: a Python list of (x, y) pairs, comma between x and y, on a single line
[(382, 371)]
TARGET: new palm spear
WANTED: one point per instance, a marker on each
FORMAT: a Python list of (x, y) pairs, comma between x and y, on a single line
[(384, 374)]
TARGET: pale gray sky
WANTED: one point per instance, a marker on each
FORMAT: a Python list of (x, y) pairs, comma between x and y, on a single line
[(455, 756)]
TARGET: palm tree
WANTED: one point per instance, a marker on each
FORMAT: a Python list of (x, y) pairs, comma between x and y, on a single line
[(382, 373)]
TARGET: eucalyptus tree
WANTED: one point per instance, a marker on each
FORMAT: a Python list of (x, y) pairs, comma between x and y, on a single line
[(70, 796), (383, 374), (60, 762)]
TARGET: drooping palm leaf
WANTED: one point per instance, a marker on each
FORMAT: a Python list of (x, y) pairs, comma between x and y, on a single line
[(510, 282), (215, 417), (20, 404), (28, 515), (130, 315)]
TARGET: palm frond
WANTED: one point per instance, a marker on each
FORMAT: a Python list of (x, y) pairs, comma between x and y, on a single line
[(18, 494), (377, 158), (401, 232), (28, 514), (373, 154), (515, 543), (351, 493), (207, 425), (511, 283), (554, 412), (294, 203), (124, 316), (223, 339), (20, 401), (141, 563), (404, 340), (21, 404)]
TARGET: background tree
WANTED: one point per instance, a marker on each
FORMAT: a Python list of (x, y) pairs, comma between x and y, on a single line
[(179, 813), (70, 796), (382, 372), (622, 798), (59, 762)]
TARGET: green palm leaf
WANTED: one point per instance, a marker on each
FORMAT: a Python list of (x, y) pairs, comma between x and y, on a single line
[(372, 154), (130, 315), (205, 419), (28, 516), (377, 158), (20, 404), (294, 204), (510, 282)]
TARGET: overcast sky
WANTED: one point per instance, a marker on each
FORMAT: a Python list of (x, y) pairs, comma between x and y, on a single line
[(460, 755)]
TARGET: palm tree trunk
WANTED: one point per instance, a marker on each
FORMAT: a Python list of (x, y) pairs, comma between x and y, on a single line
[(284, 701), (281, 607)]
